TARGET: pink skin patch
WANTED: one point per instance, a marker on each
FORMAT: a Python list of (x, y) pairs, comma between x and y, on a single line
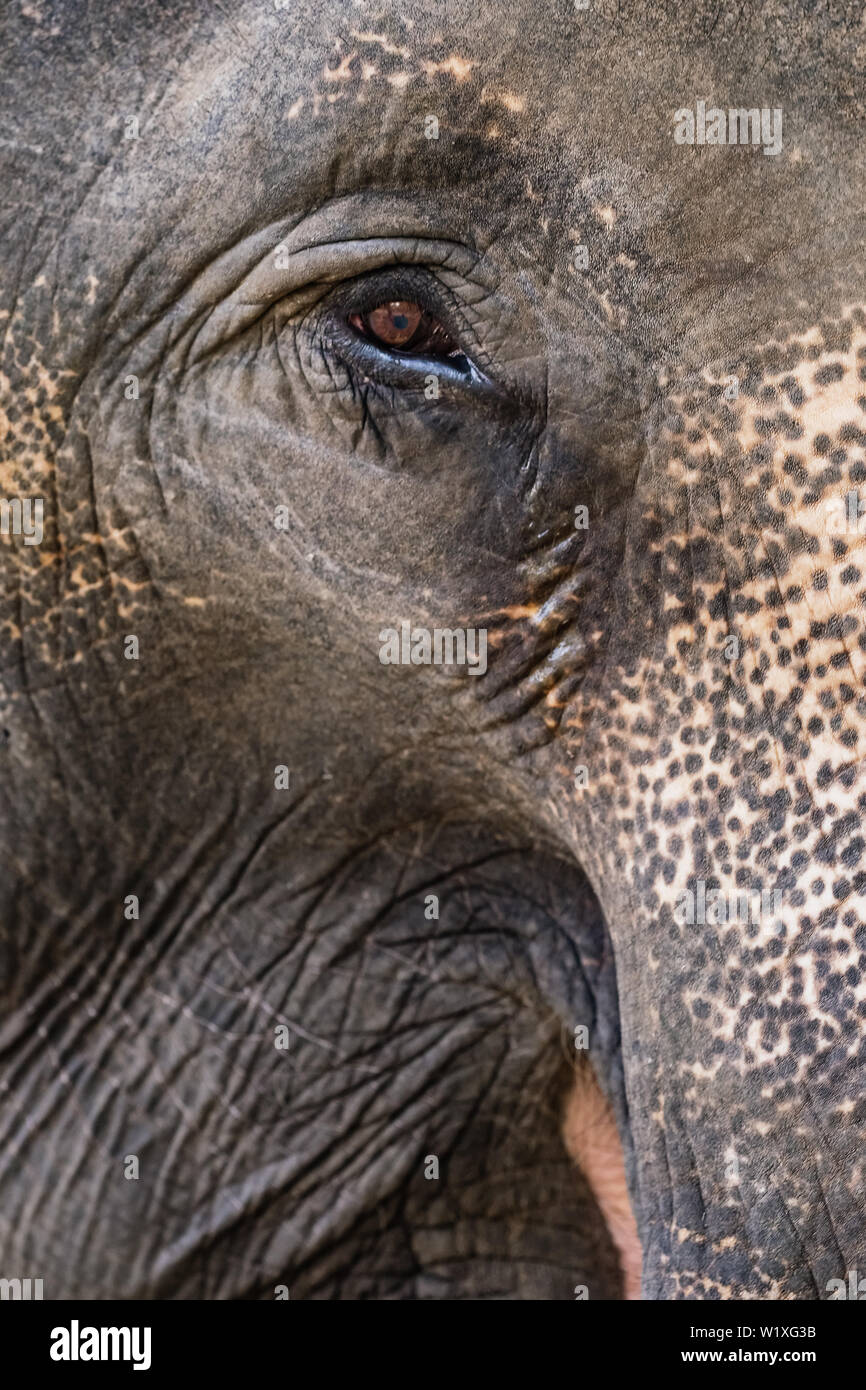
[(592, 1140)]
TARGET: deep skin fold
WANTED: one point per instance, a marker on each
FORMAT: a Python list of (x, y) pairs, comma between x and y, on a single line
[(260, 647)]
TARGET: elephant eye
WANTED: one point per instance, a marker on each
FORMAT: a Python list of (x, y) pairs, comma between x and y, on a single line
[(402, 325)]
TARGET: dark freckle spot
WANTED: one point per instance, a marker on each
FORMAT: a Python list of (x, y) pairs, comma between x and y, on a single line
[(849, 575), (793, 466), (819, 579), (792, 390), (825, 376), (821, 444), (720, 747)]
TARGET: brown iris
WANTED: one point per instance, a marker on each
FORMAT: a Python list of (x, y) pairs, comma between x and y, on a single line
[(404, 325)]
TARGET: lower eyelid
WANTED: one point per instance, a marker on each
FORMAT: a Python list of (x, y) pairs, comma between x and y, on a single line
[(368, 363)]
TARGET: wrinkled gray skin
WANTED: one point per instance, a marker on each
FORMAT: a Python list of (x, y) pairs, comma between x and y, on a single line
[(731, 1053)]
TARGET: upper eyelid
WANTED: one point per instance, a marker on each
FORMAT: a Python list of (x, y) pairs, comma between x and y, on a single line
[(310, 270)]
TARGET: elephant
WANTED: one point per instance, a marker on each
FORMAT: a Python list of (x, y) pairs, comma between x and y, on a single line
[(432, 650)]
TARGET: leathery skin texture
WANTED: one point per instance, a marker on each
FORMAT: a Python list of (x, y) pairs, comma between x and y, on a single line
[(335, 963)]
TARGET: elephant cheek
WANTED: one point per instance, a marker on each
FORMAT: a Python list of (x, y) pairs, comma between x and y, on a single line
[(741, 1021), (720, 820)]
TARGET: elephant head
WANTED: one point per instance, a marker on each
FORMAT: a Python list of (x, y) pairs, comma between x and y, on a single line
[(433, 650)]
